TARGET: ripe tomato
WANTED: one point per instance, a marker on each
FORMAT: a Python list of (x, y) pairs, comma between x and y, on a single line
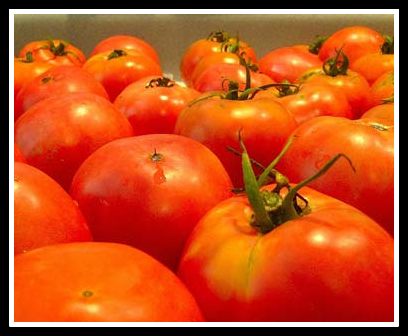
[(98, 282), (370, 146), (215, 78), (126, 42), (288, 63), (384, 112), (372, 66), (382, 89), (215, 122), (149, 192), (331, 264), (152, 104), (56, 81), (312, 100), (26, 69), (57, 134), (56, 52), (355, 41), (216, 42), (116, 69), (18, 156), (44, 214)]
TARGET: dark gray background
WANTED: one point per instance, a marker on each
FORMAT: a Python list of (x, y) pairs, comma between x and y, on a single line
[(170, 34)]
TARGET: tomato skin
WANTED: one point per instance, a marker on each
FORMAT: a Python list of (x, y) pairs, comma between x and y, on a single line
[(128, 197), (372, 66), (56, 81), (57, 134), (126, 42), (118, 72), (313, 100), (18, 156), (299, 271), (153, 110), (44, 214), (42, 51), (215, 78), (288, 63), (382, 89), (215, 122), (384, 112), (355, 42), (370, 146), (98, 282)]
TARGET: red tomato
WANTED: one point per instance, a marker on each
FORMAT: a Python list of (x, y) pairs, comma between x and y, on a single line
[(58, 80), (384, 112), (25, 70), (126, 42), (18, 156), (56, 52), (57, 134), (355, 41), (372, 66), (215, 122), (288, 63), (215, 43), (215, 78), (312, 100), (98, 282), (149, 192), (332, 264), (382, 89), (116, 69), (44, 214), (370, 146), (153, 104)]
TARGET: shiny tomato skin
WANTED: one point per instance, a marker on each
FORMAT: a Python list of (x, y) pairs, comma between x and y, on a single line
[(333, 264), (384, 112), (118, 72), (44, 214), (288, 63), (215, 78), (42, 51), (128, 195), (372, 66), (126, 42), (265, 126), (355, 41), (98, 282), (382, 89), (370, 146), (57, 134), (18, 156), (153, 110), (58, 80)]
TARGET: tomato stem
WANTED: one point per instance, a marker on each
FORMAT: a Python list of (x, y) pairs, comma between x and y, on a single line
[(388, 45), (116, 53), (317, 44), (337, 65), (160, 82)]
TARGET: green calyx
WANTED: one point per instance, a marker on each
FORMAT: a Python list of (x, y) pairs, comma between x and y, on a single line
[(337, 65), (218, 36), (116, 53), (388, 45), (160, 82), (317, 44)]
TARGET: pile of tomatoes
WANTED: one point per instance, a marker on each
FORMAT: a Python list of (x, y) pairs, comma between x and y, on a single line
[(255, 189)]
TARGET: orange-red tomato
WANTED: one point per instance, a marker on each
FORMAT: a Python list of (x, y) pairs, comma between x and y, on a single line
[(382, 89), (384, 112), (372, 66), (98, 282), (18, 156)]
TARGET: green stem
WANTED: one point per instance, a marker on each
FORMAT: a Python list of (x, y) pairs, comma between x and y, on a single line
[(116, 53), (317, 44), (337, 65), (388, 45)]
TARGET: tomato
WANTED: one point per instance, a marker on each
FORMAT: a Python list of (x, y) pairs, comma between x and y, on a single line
[(331, 264), (372, 66), (26, 69), (382, 89), (56, 81), (370, 146), (149, 192), (126, 42), (355, 41), (216, 42), (57, 134), (215, 78), (384, 112), (215, 122), (56, 52), (18, 156), (312, 100), (98, 282), (116, 69), (44, 214), (288, 63), (152, 104)]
